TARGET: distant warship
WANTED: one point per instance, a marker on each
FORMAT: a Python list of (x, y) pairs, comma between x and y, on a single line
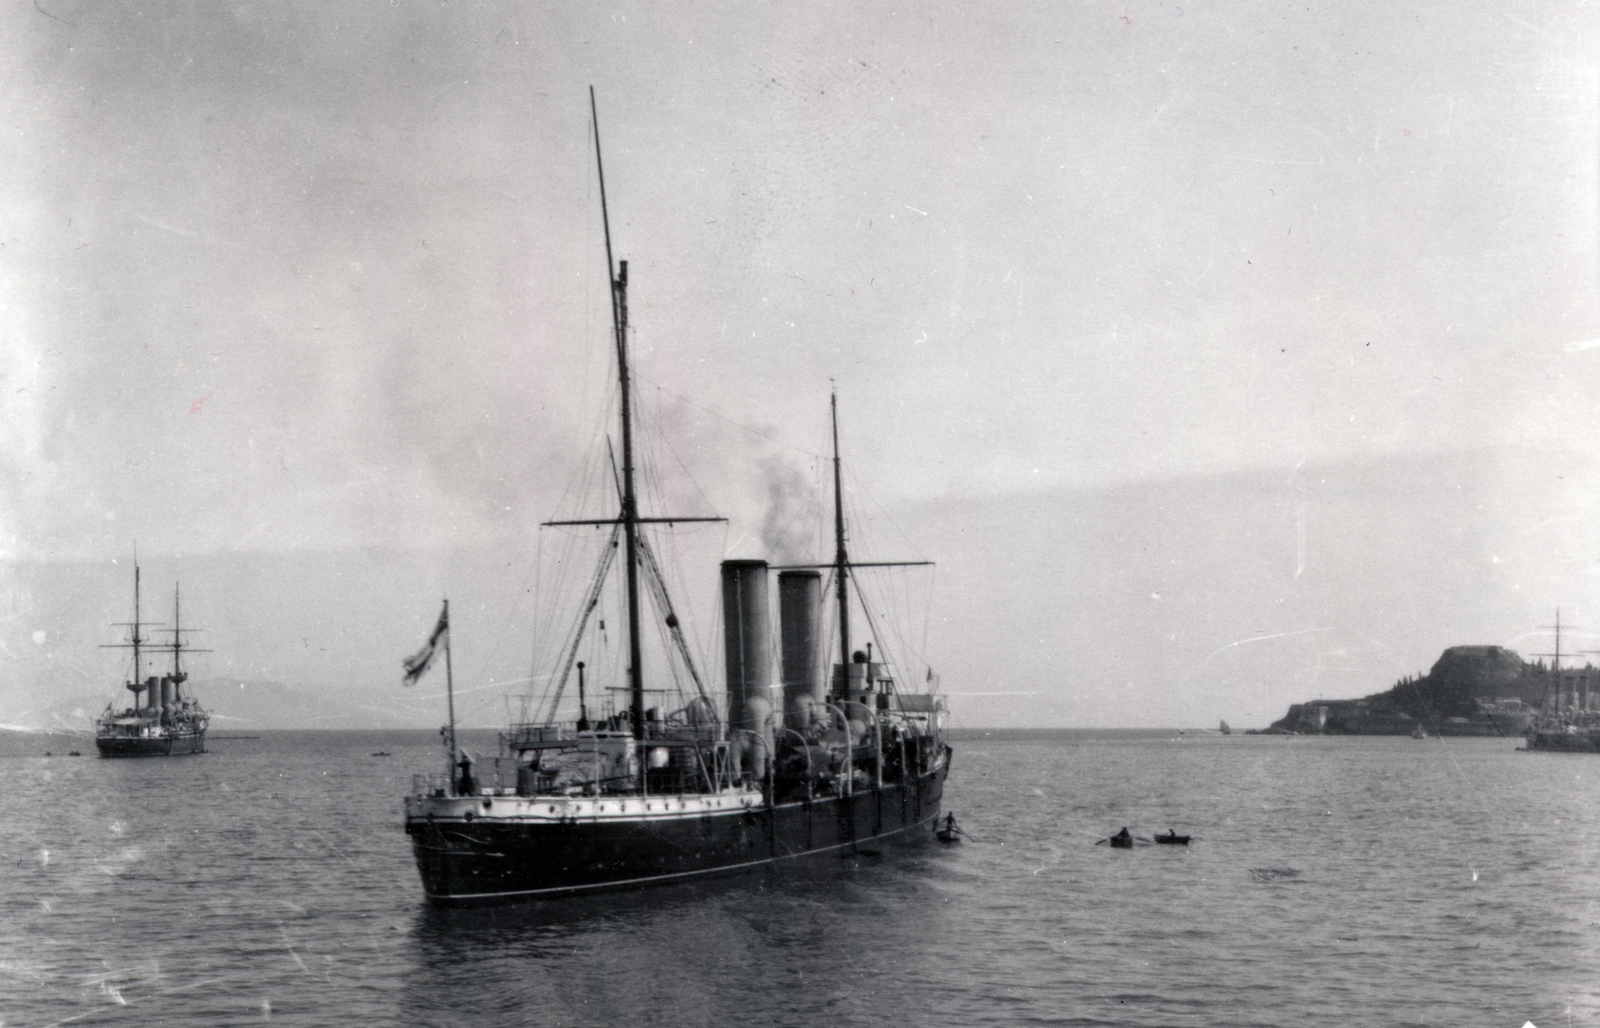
[(161, 722), (1569, 724)]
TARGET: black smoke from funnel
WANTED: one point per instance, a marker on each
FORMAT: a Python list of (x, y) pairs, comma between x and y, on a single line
[(789, 526)]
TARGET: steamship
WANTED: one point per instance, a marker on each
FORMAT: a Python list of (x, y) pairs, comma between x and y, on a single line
[(1568, 724), (656, 793), (161, 721)]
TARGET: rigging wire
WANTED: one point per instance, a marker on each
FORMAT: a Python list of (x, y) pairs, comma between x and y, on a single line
[(657, 434), (668, 619), (674, 645), (592, 601), (883, 511), (660, 437), (722, 417)]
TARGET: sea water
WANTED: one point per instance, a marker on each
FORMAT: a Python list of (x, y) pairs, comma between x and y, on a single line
[(1329, 881)]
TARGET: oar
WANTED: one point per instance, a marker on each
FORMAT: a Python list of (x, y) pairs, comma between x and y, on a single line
[(1136, 838)]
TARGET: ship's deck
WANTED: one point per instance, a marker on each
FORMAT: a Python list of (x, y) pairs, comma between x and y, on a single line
[(504, 804)]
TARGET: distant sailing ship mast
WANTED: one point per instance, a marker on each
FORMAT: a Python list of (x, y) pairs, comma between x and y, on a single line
[(138, 667), (178, 674), (1555, 662), (135, 683)]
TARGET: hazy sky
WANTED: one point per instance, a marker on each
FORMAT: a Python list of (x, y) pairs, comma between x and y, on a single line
[(1222, 354)]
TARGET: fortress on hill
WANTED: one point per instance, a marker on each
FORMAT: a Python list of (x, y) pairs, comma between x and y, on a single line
[(1471, 690)]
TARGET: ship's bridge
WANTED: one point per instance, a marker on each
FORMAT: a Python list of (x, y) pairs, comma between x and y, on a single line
[(871, 684)]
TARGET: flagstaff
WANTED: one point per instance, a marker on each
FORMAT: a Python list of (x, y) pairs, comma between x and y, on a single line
[(418, 664), (449, 681)]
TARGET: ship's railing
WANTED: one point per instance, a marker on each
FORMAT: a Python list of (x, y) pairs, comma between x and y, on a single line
[(857, 745), (1567, 720), (670, 766), (499, 776), (677, 734), (557, 759), (431, 784), (540, 735), (555, 735)]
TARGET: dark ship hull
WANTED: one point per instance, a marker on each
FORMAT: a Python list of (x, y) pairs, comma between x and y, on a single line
[(174, 745), (1565, 742), (495, 849)]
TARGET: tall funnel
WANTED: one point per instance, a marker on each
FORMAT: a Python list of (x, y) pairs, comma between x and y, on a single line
[(799, 617), (747, 632)]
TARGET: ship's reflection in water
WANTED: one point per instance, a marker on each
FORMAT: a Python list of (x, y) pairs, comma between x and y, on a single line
[(831, 940)]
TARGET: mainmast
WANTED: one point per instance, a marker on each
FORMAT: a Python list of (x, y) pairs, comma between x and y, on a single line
[(630, 507), (1555, 664), (841, 558), (177, 635)]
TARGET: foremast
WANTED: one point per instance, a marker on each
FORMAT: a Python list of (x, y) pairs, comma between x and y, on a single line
[(618, 279), (628, 518), (134, 683)]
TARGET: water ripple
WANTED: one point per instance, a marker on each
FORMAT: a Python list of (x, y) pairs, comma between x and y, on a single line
[(1436, 885)]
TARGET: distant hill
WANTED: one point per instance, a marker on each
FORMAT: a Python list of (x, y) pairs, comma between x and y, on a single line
[(1470, 690), (235, 705), (15, 743), (72, 715)]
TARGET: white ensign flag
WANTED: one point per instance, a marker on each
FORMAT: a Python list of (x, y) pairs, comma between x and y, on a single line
[(418, 663)]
